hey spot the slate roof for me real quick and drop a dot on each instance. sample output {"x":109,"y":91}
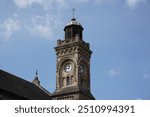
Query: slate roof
{"x":21,"y":87}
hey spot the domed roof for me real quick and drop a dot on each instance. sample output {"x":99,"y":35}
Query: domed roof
{"x":73,"y":22}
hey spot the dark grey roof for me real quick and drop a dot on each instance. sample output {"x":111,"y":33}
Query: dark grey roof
{"x":73,"y":22}
{"x":21,"y":87}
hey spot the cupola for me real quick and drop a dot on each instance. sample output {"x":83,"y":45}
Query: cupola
{"x":72,"y":29}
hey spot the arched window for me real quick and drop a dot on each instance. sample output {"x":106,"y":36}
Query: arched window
{"x":69,"y":81}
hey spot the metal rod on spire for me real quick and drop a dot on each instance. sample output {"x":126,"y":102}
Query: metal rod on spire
{"x":73,"y":11}
{"x":36,"y":72}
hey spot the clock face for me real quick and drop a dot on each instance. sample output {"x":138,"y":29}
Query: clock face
{"x":81,"y":69}
{"x":68,"y":67}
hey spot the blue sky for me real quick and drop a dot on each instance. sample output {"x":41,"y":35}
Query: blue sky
{"x":118,"y":32}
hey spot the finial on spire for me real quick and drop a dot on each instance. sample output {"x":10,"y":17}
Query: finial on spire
{"x":36,"y":73}
{"x":36,"y":80}
{"x":73,"y":12}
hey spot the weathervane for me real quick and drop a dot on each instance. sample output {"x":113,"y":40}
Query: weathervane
{"x":73,"y":11}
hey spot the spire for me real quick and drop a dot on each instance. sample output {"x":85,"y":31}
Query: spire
{"x":73,"y":12}
{"x":36,"y":73}
{"x":73,"y":21}
{"x":36,"y":80}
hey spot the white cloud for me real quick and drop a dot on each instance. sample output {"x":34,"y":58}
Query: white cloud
{"x":133,"y":3}
{"x":41,"y":30}
{"x":9,"y":27}
{"x":46,"y":4}
{"x":50,"y":4}
{"x":113,"y":72}
{"x":146,"y":75}
{"x":43,"y":26}
{"x":26,"y":3}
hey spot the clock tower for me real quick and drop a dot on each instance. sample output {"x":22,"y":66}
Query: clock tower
{"x":73,"y":65}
